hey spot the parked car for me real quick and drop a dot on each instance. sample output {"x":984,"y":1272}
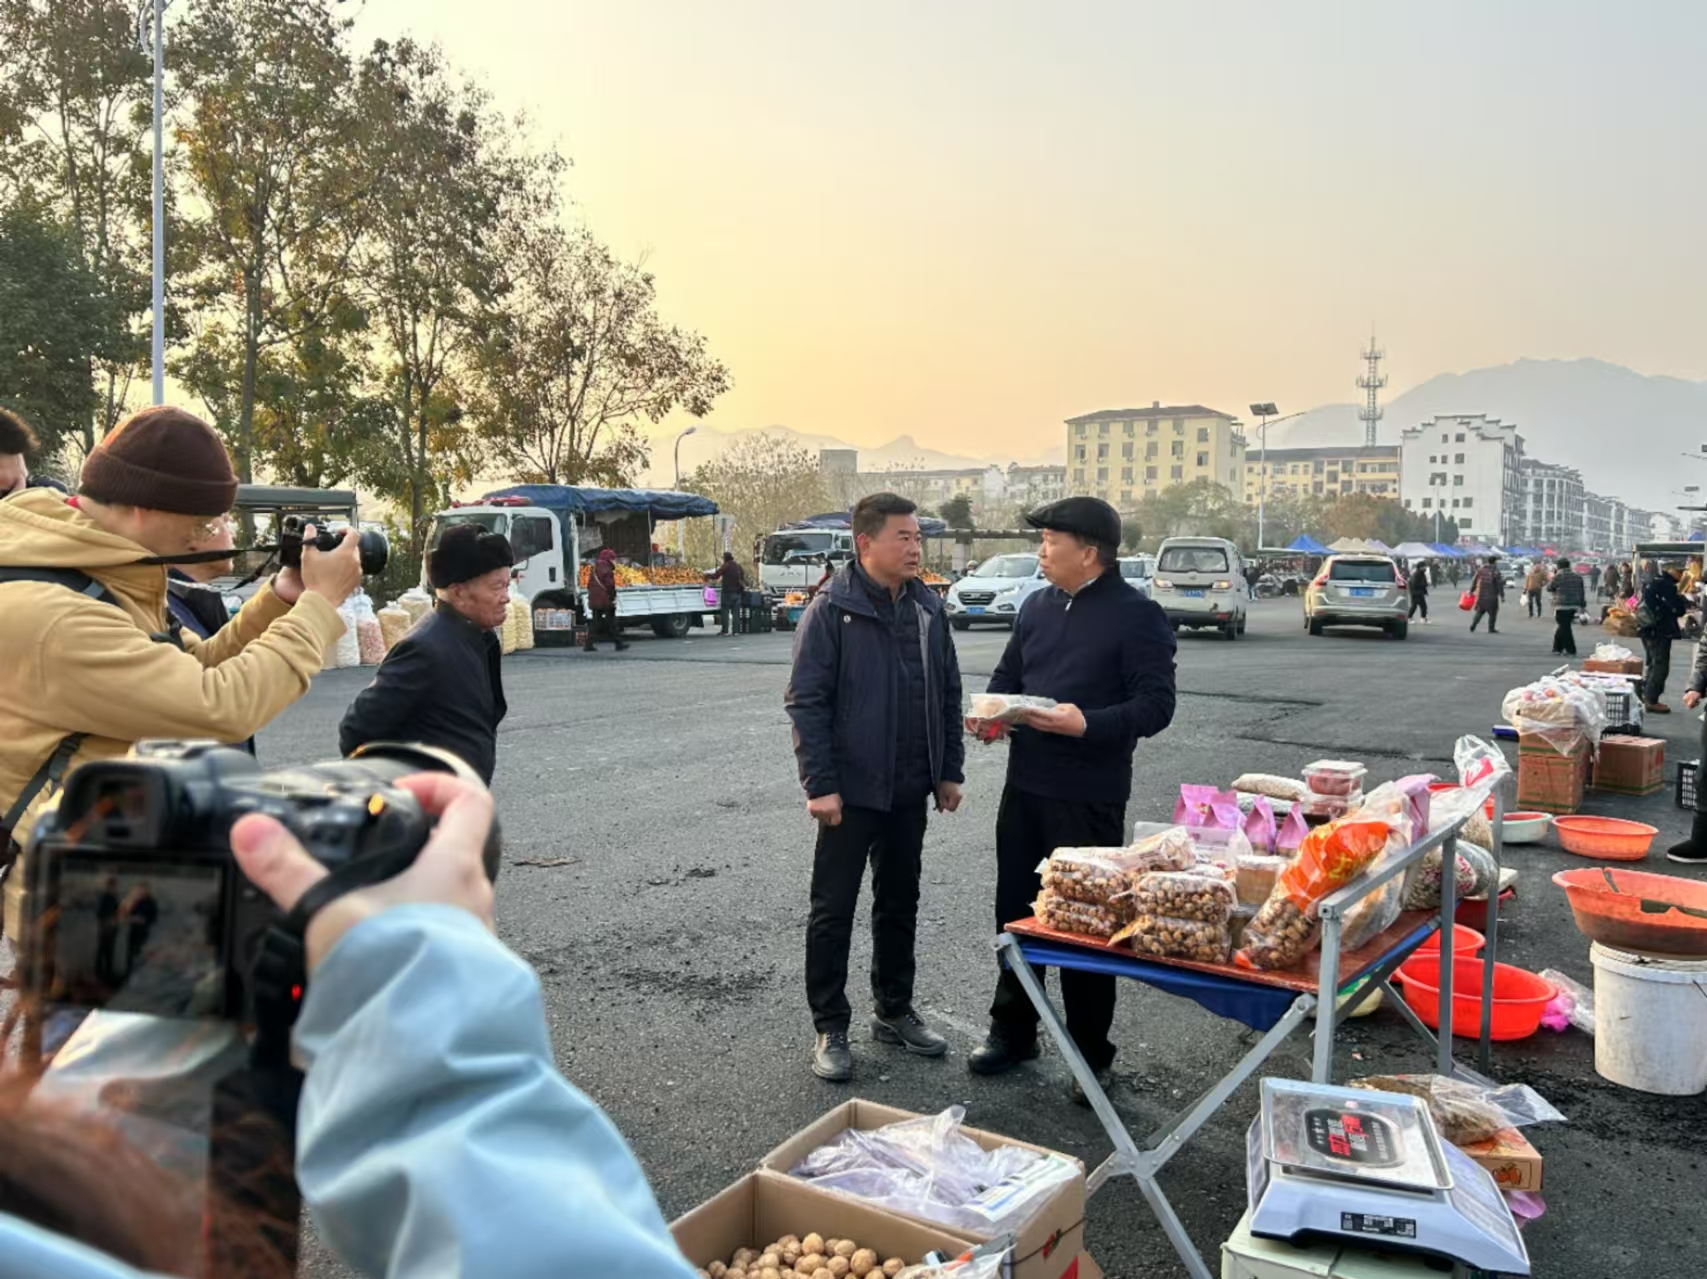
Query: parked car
{"x":1200,"y":582}
{"x":1358,"y":590}
{"x":1139,"y":571}
{"x":994,"y":590}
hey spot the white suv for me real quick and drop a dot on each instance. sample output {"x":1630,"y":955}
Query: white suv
{"x":994,"y":590}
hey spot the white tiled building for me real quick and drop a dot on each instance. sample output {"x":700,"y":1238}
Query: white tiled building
{"x":1553,"y":509}
{"x":1465,"y":468}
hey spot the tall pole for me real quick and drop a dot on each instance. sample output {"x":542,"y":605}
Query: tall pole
{"x":1262,"y":478}
{"x":681,"y":525}
{"x":159,"y":203}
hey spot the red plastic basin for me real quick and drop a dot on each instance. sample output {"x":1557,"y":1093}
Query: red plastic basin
{"x":1609,"y":907}
{"x":1520,"y":997}
{"x":1465,"y":941}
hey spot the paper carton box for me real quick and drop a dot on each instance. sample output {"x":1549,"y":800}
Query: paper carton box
{"x":1629,"y":666}
{"x":1514,"y":1163}
{"x":763,"y":1207}
{"x":1047,"y":1243}
{"x":1630,"y":765}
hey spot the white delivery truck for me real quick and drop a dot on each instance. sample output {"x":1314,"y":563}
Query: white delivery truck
{"x":555,"y":529}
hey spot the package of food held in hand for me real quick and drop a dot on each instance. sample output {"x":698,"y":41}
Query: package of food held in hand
{"x":1183,"y":895}
{"x":1006,"y":708}
{"x":1064,"y":916}
{"x":1170,"y":937}
{"x":1091,"y":875}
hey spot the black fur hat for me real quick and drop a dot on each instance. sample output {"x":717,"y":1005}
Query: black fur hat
{"x":465,"y":552}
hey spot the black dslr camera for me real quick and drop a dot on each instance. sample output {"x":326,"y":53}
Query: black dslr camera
{"x":375,"y":549}
{"x":137,"y":904}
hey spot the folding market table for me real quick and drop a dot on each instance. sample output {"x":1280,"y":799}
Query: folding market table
{"x":1276,"y":1003}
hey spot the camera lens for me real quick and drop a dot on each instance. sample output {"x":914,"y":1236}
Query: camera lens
{"x":375,"y":552}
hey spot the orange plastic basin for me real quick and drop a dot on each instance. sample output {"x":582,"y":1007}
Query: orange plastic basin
{"x":1520,"y":997}
{"x":1609,"y":838}
{"x":1608,"y":905}
{"x":1465,"y":941}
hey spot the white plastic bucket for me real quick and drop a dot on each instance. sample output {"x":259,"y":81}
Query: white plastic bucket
{"x":1650,"y":1018}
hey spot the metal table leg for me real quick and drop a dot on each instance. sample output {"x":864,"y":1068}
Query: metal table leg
{"x":1327,"y":1007}
{"x":1448,"y":958}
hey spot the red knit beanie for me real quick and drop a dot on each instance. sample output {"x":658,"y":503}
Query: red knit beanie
{"x":162,"y":459}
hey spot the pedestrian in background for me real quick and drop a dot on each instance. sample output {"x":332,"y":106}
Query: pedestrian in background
{"x":1569,"y":598}
{"x":731,"y":594}
{"x":1488,"y":587}
{"x":1105,"y":655}
{"x":601,"y":600}
{"x":1609,"y":582}
{"x":1533,"y":584}
{"x":18,"y":443}
{"x":1418,"y":586}
{"x":875,"y":702}
{"x":1626,"y":581}
{"x":1656,"y":624}
{"x":1693,"y":851}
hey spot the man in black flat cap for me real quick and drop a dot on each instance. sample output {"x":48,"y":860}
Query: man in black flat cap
{"x":441,"y":685}
{"x":1105,"y":654}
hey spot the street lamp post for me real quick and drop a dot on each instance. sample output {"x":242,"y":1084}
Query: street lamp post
{"x":155,"y":41}
{"x":1267,"y":412}
{"x":681,"y":525}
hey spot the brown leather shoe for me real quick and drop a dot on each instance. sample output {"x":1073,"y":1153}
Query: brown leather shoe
{"x":1659,"y":708}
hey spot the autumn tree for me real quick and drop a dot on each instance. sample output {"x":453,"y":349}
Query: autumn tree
{"x":427,"y":269}
{"x":76,"y":99}
{"x":761,"y":480}
{"x":1201,"y":507}
{"x":577,"y":357}
{"x":267,"y":133}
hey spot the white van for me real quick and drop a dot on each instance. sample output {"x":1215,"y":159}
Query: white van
{"x":1200,"y":582}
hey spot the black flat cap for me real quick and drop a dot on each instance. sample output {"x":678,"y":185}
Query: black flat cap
{"x":1086,"y":517}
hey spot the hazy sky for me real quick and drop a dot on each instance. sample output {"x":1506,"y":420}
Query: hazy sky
{"x":968,"y":221}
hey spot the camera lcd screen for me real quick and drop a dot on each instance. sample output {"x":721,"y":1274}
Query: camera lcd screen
{"x":139,"y":937}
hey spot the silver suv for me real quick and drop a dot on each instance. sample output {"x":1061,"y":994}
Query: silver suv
{"x":1358,"y":590}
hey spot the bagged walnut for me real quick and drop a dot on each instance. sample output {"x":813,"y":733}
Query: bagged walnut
{"x":1171,"y":849}
{"x":1254,"y":876}
{"x":1183,"y":895}
{"x":1171,"y":938}
{"x":1084,"y":874}
{"x":1279,"y":937}
{"x":1082,"y":918}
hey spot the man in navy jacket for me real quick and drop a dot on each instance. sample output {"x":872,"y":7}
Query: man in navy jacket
{"x":1105,"y":654}
{"x":875,"y":701}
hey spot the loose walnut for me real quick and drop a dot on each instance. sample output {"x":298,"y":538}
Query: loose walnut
{"x":862,"y":1263}
{"x":844,"y":1248}
{"x":823,"y":1272}
{"x":770,"y":1261}
{"x":813,"y":1245}
{"x":838,"y":1267}
{"x":717,"y":1270}
{"x":810,"y":1264}
{"x":893,"y":1267}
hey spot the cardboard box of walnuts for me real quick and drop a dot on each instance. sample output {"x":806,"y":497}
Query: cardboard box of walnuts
{"x":1047,"y":1244}
{"x":762,"y":1209}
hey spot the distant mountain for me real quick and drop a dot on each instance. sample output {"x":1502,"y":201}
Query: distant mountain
{"x":901,"y":453}
{"x":1622,"y":429}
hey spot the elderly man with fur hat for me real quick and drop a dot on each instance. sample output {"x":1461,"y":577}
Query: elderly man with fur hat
{"x":441,"y":685}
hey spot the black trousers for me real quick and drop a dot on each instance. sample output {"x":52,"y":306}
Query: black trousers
{"x":729,"y":612}
{"x":1534,"y":599}
{"x":892,"y":842}
{"x":1564,"y":639}
{"x":603,"y":623}
{"x":1029,"y":828}
{"x":1491,"y":613}
{"x":1656,"y":669}
{"x":1419,"y":603}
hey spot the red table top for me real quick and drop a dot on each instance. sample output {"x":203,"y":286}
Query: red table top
{"x":1305,"y":978}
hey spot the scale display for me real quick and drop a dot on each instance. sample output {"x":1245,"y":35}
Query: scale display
{"x":1369,"y":1167}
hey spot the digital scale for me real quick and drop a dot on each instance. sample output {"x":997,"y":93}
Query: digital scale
{"x":1369,"y":1166}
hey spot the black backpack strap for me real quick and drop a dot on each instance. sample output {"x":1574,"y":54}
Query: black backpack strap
{"x":71,"y":578}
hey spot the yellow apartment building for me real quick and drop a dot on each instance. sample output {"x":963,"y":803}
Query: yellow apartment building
{"x":1121,"y":455}
{"x":1326,"y":471}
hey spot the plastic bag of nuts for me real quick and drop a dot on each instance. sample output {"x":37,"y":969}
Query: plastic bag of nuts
{"x":1173,"y":938}
{"x":1280,"y":935}
{"x":1081,"y":918}
{"x":1170,"y":849}
{"x":1084,"y":874}
{"x":1183,"y":895}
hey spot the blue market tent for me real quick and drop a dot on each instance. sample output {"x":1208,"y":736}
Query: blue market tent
{"x":1307,"y":545}
{"x":1449,"y":552}
{"x":660,"y":504}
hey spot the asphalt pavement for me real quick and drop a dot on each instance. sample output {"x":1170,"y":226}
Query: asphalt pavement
{"x":671,"y":943}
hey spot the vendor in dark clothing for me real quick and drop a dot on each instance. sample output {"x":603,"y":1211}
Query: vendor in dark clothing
{"x":441,"y":686}
{"x":1656,"y":623}
{"x":731,"y":594}
{"x":1105,"y":654}
{"x":1419,"y":590}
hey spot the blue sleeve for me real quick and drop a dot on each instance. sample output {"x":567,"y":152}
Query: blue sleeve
{"x":1147,"y":672}
{"x":811,"y":697}
{"x":382,"y":710}
{"x":436,"y":1135}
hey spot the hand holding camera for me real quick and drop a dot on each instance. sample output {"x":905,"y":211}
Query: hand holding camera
{"x":449,"y":871}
